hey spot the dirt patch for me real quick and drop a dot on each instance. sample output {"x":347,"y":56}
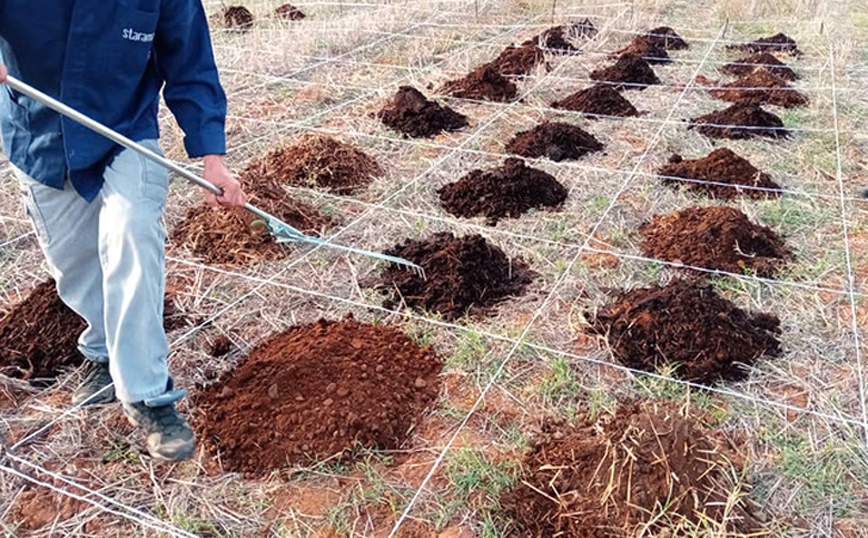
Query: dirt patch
{"x":508,"y":191}
{"x":37,"y":507}
{"x":747,"y":65}
{"x":599,"y":99}
{"x":289,"y":12}
{"x":720,"y":166}
{"x":516,"y":61}
{"x":227,"y":237}
{"x":612,"y":477}
{"x":410,"y":113}
{"x":715,"y":237}
{"x":318,"y":161}
{"x":775,"y":43}
{"x":649,"y":50}
{"x":238,"y":18}
{"x":740,"y":121}
{"x":761,"y":87}
{"x":315,"y":391}
{"x":666,"y":38}
{"x":221,"y":346}
{"x":630,"y":72}
{"x":686,"y":325}
{"x":463,"y":276}
{"x":485,"y":83}
{"x":554,"y":140}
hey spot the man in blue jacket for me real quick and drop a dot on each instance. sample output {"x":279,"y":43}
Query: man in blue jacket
{"x":97,"y":208}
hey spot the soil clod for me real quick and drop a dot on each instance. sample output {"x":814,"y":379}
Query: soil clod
{"x":556,"y":39}
{"x":554,"y":140}
{"x":508,"y":191}
{"x":289,"y":12}
{"x":630,"y":72}
{"x":463,"y":276}
{"x":740,"y":121}
{"x":748,"y":64}
{"x":649,"y":50}
{"x":485,"y":83}
{"x":761,"y":87}
{"x":666,"y":38}
{"x":317,"y":391}
{"x":598,"y":100}
{"x":221,"y":346}
{"x":776,"y":43}
{"x":410,"y":113}
{"x":687,"y":327}
{"x":238,"y":18}
{"x":517,"y":61}
{"x":713,"y":174}
{"x":716,"y":237}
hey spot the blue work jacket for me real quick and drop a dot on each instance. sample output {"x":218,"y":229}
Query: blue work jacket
{"x":108,"y":59}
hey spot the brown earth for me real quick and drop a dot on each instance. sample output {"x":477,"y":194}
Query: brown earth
{"x":238,"y":17}
{"x":720,"y":166}
{"x":516,"y":61}
{"x":508,"y":191}
{"x":554,"y":140}
{"x":230,"y":237}
{"x":630,"y":72}
{"x":649,"y":50}
{"x":289,"y":12}
{"x":666,"y":38}
{"x":704,"y":337}
{"x":485,"y":83}
{"x":556,"y":39}
{"x":410,"y":113}
{"x":740,"y":121}
{"x":761,"y":87}
{"x":747,"y":65}
{"x":315,"y":391}
{"x":39,"y":335}
{"x":599,"y":99}
{"x":775,"y":43}
{"x":611,"y":478}
{"x":221,"y":346}
{"x":318,"y":161}
{"x":715,"y":237}
{"x":463,"y":276}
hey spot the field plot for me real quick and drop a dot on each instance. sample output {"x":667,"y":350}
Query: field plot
{"x":644,"y":310}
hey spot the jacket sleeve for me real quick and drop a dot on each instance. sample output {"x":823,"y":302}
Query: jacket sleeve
{"x":185,"y":58}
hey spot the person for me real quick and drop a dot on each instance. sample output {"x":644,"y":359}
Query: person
{"x":97,"y":208}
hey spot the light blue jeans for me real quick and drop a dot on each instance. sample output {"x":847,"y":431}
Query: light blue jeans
{"x":108,"y":258}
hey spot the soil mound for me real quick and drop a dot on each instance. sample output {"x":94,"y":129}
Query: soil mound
{"x":716,"y":237}
{"x":412,"y":114}
{"x":238,"y":18}
{"x":556,"y":39}
{"x":775,"y":43}
{"x":666,"y":38}
{"x":599,"y":99}
{"x":630,"y":70}
{"x":761,"y":87}
{"x":613,"y":477}
{"x":508,"y":191}
{"x":554,"y":140}
{"x":317,"y":390}
{"x":747,"y":65}
{"x":720,"y":166}
{"x":516,"y":61}
{"x":289,"y":12}
{"x":485,"y":83}
{"x":318,"y":162}
{"x":231,"y":237}
{"x":649,"y":50}
{"x":463,"y":275}
{"x":739,"y":121}
{"x":687,"y":325}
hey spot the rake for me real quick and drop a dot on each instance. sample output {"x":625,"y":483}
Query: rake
{"x":282,"y":232}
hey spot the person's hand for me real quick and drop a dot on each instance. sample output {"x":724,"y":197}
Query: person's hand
{"x":217,"y":173}
{"x":3,"y":73}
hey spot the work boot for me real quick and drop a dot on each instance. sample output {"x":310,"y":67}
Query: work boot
{"x":169,"y":436}
{"x":97,"y":378}
{"x":864,"y":192}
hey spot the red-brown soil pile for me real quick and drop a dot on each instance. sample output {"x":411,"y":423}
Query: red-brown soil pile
{"x":238,"y":17}
{"x":318,"y":162}
{"x":739,"y":121}
{"x":649,"y":50}
{"x":463,"y":276}
{"x":516,"y":61}
{"x":317,"y":390}
{"x":39,"y":335}
{"x":775,"y":43}
{"x":410,"y":113}
{"x":231,"y":237}
{"x":599,"y":99}
{"x":612,"y":478}
{"x":630,"y":72}
{"x":761,"y":87}
{"x":554,"y":140}
{"x":688,"y":326}
{"x":483,"y":84}
{"x":289,"y":12}
{"x":666,"y":38}
{"x":508,"y":191}
{"x":716,"y":237}
{"x":747,"y":65}
{"x":712,"y":174}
